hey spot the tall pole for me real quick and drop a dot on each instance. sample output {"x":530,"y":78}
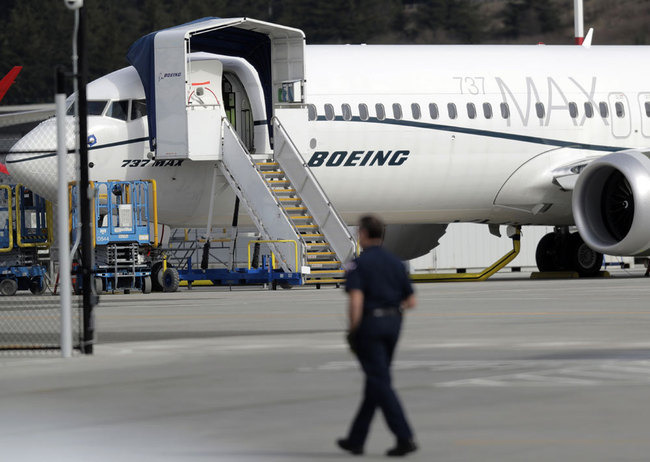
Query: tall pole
{"x":578,"y":19}
{"x":65,"y":283}
{"x":85,"y":194}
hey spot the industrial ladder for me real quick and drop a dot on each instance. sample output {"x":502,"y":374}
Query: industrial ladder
{"x":286,"y":203}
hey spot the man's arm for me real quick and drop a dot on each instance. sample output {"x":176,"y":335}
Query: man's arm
{"x":355,"y":309}
{"x":409,"y":303}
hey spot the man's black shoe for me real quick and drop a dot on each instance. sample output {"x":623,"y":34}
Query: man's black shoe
{"x":402,"y":448}
{"x":346,"y":445}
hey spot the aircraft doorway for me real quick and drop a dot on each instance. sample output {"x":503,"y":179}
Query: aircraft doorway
{"x":237,"y":108}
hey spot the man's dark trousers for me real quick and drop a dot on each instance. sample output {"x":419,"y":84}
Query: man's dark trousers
{"x":376,"y":341}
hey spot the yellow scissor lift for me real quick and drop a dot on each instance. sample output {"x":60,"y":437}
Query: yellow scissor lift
{"x":25,"y":228}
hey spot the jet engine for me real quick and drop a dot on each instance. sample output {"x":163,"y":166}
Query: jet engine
{"x":611,"y":203}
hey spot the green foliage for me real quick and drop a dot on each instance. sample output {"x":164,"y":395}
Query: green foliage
{"x":530,"y":17}
{"x":37,"y":34}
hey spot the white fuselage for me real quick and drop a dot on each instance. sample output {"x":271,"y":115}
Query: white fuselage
{"x":469,"y":133}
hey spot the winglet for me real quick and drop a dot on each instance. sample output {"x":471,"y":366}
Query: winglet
{"x":587,"y":41}
{"x":8,"y":79}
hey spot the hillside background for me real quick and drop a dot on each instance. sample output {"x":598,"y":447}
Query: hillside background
{"x":37,"y":34}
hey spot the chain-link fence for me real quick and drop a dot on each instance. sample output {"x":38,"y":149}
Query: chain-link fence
{"x":30,"y":323}
{"x":30,"y":315}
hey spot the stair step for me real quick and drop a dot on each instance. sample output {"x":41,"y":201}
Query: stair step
{"x":273,"y":182}
{"x":306,"y":226}
{"x":321,"y":263}
{"x":312,"y":235}
{"x":318,"y":272}
{"x":300,"y":217}
{"x":273,"y":173}
{"x":267,"y":163}
{"x":314,"y":254}
{"x":283,"y":190}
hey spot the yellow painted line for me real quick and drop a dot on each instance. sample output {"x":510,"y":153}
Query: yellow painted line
{"x":267,"y":164}
{"x":295,"y":209}
{"x":325,"y":281}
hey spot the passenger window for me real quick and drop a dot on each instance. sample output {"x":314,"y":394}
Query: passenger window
{"x":620,"y":109}
{"x":381,"y":113}
{"x":312,"y":114}
{"x":452,"y":111}
{"x":415,"y":110}
{"x":397,"y":111}
{"x":118,"y":110}
{"x":604,"y":109}
{"x":505,"y":110}
{"x":329,"y":112}
{"x":347,"y":111}
{"x":471,"y":110}
{"x":573,"y":110}
{"x":433,"y":110}
{"x":647,"y":108}
{"x":138,"y":108}
{"x":539,"y":108}
{"x":363,"y":111}
{"x":487,"y":110}
{"x":589,"y":110}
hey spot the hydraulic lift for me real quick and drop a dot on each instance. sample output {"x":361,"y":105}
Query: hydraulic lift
{"x":25,"y":229}
{"x":125,"y":232}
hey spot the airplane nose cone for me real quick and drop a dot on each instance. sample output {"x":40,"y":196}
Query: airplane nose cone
{"x":32,"y":160}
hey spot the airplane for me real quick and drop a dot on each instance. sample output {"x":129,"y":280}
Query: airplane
{"x":423,"y":135}
{"x":8,"y":80}
{"x":5,"y":83}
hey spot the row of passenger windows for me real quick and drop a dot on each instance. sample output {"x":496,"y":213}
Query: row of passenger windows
{"x":472,"y":110}
{"x":121,"y":110}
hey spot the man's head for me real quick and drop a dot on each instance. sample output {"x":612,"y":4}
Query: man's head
{"x":371,"y":231}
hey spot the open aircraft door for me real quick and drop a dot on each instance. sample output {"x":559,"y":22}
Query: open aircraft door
{"x":184,"y":96}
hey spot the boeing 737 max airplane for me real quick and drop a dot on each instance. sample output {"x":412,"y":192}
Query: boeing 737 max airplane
{"x":420,"y":135}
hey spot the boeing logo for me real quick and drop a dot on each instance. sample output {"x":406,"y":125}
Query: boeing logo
{"x":167,"y":75}
{"x":357,"y":158}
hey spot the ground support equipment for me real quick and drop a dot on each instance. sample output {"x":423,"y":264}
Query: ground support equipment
{"x":124,"y":233}
{"x":25,"y":229}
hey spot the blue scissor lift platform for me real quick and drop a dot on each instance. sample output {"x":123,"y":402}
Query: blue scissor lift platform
{"x":25,"y":227}
{"x":124,"y":232}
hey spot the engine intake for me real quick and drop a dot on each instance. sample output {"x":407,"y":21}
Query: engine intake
{"x":611,"y":204}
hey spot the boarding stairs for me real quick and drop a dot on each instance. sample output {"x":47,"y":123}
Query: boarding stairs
{"x":287,"y":204}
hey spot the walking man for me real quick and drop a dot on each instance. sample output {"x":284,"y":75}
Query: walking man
{"x":379,"y":290}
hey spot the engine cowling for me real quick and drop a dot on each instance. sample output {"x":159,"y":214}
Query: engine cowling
{"x":611,"y":204}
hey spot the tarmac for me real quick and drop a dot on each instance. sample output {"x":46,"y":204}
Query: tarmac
{"x":507,"y":370}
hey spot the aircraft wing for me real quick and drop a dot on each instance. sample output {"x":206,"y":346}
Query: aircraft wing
{"x":23,"y":117}
{"x":566,"y":176}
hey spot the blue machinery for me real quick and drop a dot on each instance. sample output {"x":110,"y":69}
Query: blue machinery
{"x":125,"y":229}
{"x":265,"y":273}
{"x":127,"y":252}
{"x":25,"y":227}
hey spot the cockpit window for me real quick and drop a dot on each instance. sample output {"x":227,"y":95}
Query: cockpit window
{"x":95,"y":108}
{"x":138,"y":109}
{"x":118,"y":110}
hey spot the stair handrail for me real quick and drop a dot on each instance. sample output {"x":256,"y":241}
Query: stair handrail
{"x":345,"y":251}
{"x":226,"y":126}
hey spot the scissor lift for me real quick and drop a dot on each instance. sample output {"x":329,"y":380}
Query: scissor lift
{"x":125,"y":230}
{"x":25,"y":228}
